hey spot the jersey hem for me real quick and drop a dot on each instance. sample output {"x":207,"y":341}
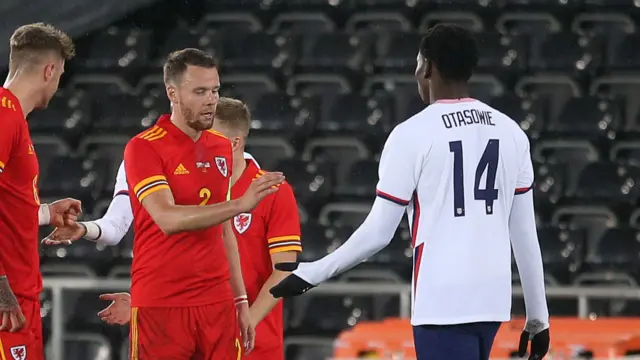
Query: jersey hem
{"x":180,"y":304}
{"x":460,"y":320}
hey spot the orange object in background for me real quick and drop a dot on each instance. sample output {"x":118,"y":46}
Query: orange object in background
{"x":603,"y":337}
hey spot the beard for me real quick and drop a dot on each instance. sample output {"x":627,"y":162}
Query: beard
{"x":193,"y":120}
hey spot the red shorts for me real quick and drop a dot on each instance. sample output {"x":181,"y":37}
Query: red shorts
{"x":270,"y":354}
{"x":27,"y":343}
{"x":185,"y":333}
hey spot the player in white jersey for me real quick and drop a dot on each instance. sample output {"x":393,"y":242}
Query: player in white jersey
{"x":463,"y":172}
{"x":113,"y":226}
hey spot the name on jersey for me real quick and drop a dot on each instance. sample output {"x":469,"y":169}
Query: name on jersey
{"x":467,"y":117}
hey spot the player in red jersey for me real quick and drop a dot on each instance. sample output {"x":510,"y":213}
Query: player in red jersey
{"x":267,"y":235}
{"x":182,"y":289}
{"x":38,"y":54}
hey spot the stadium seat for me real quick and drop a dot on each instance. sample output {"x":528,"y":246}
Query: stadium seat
{"x":556,"y":89}
{"x":589,"y":117}
{"x":501,"y":52}
{"x":360,"y":181}
{"x":624,"y":54}
{"x":81,"y":177}
{"x":562,"y":251}
{"x":605,"y":26}
{"x":277,"y":113}
{"x":302,"y":22}
{"x":395,"y":52}
{"x":332,"y":52}
{"x":118,"y":48}
{"x":307,"y":85}
{"x":356,"y":114}
{"x":528,"y":113}
{"x":257,"y":52}
{"x":565,"y":52}
{"x":617,"y":250}
{"x":341,"y":151}
{"x":465,"y":19}
{"x":315,"y":242}
{"x":594,"y":220}
{"x":378,"y":22}
{"x":231,"y":23}
{"x":183,"y":37}
{"x":248,"y":87}
{"x":344,"y":214}
{"x":577,"y":153}
{"x":312,"y":182}
{"x":68,"y":115}
{"x":621,"y":86}
{"x":606,"y":181}
{"x":269,"y":150}
{"x":550,"y":183}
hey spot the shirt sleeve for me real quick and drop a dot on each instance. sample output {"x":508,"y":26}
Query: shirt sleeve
{"x":115,"y":223}
{"x":283,"y":226}
{"x":144,"y":169}
{"x":121,"y":187}
{"x":373,"y":235}
{"x":400,"y":168}
{"x":9,"y":136}
{"x":525,"y":177}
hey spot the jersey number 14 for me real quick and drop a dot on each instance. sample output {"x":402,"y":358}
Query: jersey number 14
{"x":489,"y":163}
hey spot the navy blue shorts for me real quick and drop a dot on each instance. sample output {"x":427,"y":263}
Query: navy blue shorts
{"x":471,"y":341}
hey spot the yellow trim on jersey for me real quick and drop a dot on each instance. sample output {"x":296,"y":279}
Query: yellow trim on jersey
{"x":283,"y":238}
{"x":155,"y":133}
{"x":2,"y":355}
{"x":150,"y":185}
{"x":217,"y":133}
{"x":239,"y":347}
{"x":134,"y":333}
{"x":229,"y":192}
{"x":275,"y":250}
{"x":146,"y":181}
{"x":1,"y":165}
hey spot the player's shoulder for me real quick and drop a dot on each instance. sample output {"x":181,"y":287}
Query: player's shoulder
{"x":147,"y":140}
{"x":215,"y":137}
{"x":283,"y":185}
{"x":8,"y":108}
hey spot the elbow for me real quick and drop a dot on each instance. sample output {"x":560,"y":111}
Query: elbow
{"x":168,"y":225}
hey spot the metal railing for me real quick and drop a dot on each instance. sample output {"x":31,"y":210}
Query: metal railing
{"x":58,"y":285}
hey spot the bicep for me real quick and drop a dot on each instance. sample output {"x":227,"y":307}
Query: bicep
{"x":158,"y":202}
{"x":399,"y":169}
{"x":284,"y":257}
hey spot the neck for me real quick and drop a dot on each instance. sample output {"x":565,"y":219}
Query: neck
{"x":179,"y":122}
{"x":20,"y":85}
{"x":449,"y":91}
{"x":239,"y":165}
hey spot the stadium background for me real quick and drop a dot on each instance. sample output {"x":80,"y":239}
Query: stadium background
{"x":326,"y":81}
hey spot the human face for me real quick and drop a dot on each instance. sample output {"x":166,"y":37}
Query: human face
{"x":52,"y":72}
{"x":236,"y":137}
{"x":196,"y":96}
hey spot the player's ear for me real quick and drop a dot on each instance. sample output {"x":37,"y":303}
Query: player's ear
{"x":49,"y":71}
{"x":428,"y":70}
{"x":236,"y":142}
{"x":172,"y":94}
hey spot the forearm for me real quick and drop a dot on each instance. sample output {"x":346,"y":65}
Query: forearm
{"x":43,"y":215}
{"x":265,"y":302}
{"x":233,"y":256}
{"x":178,"y":218}
{"x":526,"y":250}
{"x":114,"y":225}
{"x":374,"y":234}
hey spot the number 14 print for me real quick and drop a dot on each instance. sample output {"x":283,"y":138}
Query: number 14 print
{"x":488,"y":162}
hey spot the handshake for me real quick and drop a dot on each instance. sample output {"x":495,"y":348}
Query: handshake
{"x":63,"y":214}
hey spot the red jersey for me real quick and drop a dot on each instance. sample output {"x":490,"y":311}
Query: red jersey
{"x":19,"y":202}
{"x":188,"y":268}
{"x":273,"y":226}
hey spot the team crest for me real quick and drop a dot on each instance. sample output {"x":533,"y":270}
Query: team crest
{"x":19,"y":352}
{"x":242,"y":222}
{"x":221,"y":164}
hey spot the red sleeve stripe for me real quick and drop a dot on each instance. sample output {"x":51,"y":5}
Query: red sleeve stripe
{"x":284,"y":243}
{"x":520,"y":191}
{"x":392,"y":198}
{"x":122,"y":192}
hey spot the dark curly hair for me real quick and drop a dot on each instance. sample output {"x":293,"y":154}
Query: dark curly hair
{"x":452,"y":49}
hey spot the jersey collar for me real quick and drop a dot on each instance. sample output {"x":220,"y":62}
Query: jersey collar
{"x":14,"y":100}
{"x":164,"y":121}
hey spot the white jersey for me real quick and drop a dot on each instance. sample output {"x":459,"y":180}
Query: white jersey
{"x":457,"y":165}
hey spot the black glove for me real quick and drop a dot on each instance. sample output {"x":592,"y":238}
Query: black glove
{"x":290,"y":286}
{"x":539,"y":344}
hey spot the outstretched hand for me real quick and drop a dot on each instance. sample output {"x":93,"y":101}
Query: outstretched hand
{"x":292,"y":285}
{"x":119,"y":311}
{"x":65,"y":235}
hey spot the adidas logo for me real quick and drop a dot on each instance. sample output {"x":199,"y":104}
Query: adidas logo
{"x":180,"y":170}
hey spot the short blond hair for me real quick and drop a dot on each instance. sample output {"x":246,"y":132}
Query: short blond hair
{"x":30,"y":41}
{"x":234,"y":114}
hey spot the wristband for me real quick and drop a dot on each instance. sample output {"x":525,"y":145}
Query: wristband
{"x":44,"y":216}
{"x":93,"y":231}
{"x":242,"y":299}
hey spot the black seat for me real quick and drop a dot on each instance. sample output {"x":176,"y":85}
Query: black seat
{"x":589,"y":117}
{"x":563,"y":251}
{"x":565,"y":52}
{"x":68,"y":115}
{"x":528,"y":113}
{"x":624,"y":55}
{"x":360,"y":180}
{"x":81,"y":178}
{"x":395,"y":52}
{"x":332,"y":52}
{"x":312,"y":182}
{"x":606,"y":181}
{"x":618,"y":249}
{"x":279,"y":113}
{"x":118,"y":49}
{"x":356,"y":114}
{"x":256,"y":52}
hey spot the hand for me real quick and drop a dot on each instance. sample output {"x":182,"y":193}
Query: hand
{"x":10,"y":313}
{"x":119,"y":311}
{"x":64,"y":212}
{"x":292,"y":285}
{"x":259,"y":188}
{"x":247,"y":327}
{"x":65,"y":235}
{"x":536,"y":332}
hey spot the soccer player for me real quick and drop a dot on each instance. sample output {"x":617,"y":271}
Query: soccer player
{"x":463,"y":171}
{"x":268,"y":235}
{"x":38,"y":55}
{"x":182,"y":287}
